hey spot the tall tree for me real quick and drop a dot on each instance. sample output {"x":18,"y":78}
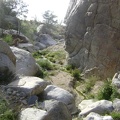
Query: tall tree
{"x":10,"y":11}
{"x":49,"y":18}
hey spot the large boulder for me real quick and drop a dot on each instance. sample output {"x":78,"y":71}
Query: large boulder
{"x":7,"y":69}
{"x":5,"y":49}
{"x":31,"y":114}
{"x":40,"y":46}
{"x":56,"y":93}
{"x":100,"y":107}
{"x":25,"y":63}
{"x":95,"y":116}
{"x":26,"y":46}
{"x":116,"y":105}
{"x":29,"y":85}
{"x":46,"y":40}
{"x":93,"y":35}
{"x":7,"y":63}
{"x":55,"y":110}
{"x":85,"y":103}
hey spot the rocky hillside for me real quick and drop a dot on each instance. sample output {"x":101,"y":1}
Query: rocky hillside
{"x":93,"y":36}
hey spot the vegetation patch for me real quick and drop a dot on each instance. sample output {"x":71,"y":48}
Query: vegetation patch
{"x":45,"y":64}
{"x":108,"y":91}
{"x":115,"y":115}
{"x":8,"y":39}
{"x":5,"y":112}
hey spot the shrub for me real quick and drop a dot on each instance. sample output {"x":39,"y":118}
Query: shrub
{"x":8,"y":39}
{"x":70,"y":67}
{"x":115,"y":115}
{"x":40,"y":54}
{"x":56,"y":56}
{"x":45,"y":64}
{"x":76,"y":74}
{"x":108,"y":92}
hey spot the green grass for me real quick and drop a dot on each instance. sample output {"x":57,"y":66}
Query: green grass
{"x":40,"y":54}
{"x":5,"y":112}
{"x":89,"y":84}
{"x":8,"y":39}
{"x":115,"y":115}
{"x":45,"y":64}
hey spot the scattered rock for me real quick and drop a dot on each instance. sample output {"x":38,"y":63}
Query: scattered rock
{"x":32,"y":100}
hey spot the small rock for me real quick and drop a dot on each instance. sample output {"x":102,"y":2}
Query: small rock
{"x":32,"y":100}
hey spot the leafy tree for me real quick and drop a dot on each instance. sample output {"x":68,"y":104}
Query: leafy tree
{"x":10,"y":11}
{"x":15,"y":8}
{"x":49,"y":18}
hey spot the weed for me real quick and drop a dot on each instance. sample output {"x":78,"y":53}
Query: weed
{"x":5,"y":112}
{"x":115,"y":115}
{"x":90,"y":83}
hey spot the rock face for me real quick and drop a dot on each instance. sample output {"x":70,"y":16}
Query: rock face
{"x":25,"y":63}
{"x":93,"y":35}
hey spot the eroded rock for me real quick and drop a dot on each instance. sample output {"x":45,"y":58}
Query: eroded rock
{"x":93,"y":35}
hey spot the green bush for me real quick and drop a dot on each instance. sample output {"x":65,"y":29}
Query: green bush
{"x":115,"y":115}
{"x":45,"y":64}
{"x":76,"y":74}
{"x":40,"y":54}
{"x":70,"y":68}
{"x":8,"y":39}
{"x":108,"y":92}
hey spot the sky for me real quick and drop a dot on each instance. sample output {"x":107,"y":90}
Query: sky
{"x":36,"y":8}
